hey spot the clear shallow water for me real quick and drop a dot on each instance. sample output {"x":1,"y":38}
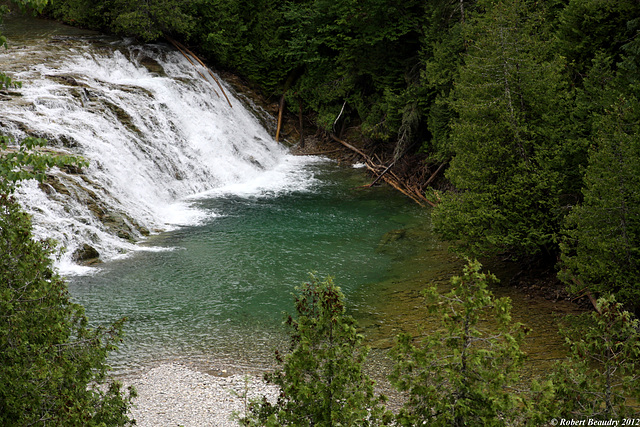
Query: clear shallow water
{"x":221,"y":290}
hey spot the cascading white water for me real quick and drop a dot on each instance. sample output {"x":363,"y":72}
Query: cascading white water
{"x":155,"y":134}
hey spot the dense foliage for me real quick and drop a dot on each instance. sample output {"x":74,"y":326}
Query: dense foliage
{"x":321,"y":378}
{"x":535,"y":107}
{"x":600,"y":380}
{"x":602,"y":245}
{"x":53,"y":367}
{"x":510,"y":137}
{"x":514,"y":95}
{"x":466,"y":370}
{"x":461,"y":374}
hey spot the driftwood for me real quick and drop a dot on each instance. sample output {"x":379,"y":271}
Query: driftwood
{"x":184,"y":50}
{"x":351,"y":147}
{"x":290,"y":80}
{"x":388,"y":176}
{"x":320,"y":153}
{"x":194,"y":66}
{"x":388,"y":168}
{"x":382,"y":174}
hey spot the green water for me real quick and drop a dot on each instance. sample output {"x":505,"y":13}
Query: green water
{"x":220,"y":293}
{"x":217,"y":297}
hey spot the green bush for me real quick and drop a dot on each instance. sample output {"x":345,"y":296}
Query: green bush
{"x":460,"y":375}
{"x":600,"y":379}
{"x":321,"y":378}
{"x":52,"y":365}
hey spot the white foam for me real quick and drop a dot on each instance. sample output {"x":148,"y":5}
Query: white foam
{"x":290,"y":175}
{"x":154,"y":143}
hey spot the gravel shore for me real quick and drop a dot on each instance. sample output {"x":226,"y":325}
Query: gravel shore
{"x":173,"y":395}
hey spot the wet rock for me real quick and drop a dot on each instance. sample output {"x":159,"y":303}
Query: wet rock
{"x":67,"y":141}
{"x":53,"y":184}
{"x":393,"y":236}
{"x":387,"y":243}
{"x":117,"y":224}
{"x":126,"y":235}
{"x":47,"y":188}
{"x":152,"y":65}
{"x":72,"y":169}
{"x":86,"y":254}
{"x":66,"y":80}
{"x":122,"y":116}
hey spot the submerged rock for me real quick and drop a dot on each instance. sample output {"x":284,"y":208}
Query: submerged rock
{"x":393,"y":236}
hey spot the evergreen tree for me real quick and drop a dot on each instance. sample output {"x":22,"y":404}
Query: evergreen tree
{"x":588,"y":28}
{"x":148,"y":20}
{"x":360,"y":56}
{"x":52,"y":365}
{"x":460,"y":375}
{"x":508,"y":141}
{"x":321,"y":379}
{"x":601,"y":251}
{"x":246,"y":37}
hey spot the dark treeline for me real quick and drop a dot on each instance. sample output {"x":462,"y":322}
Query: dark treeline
{"x":532,"y":105}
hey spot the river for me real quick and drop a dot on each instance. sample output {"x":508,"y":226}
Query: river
{"x":204,"y":224}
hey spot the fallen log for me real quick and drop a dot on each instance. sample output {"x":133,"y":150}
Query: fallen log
{"x":194,"y":66}
{"x":301,"y":142}
{"x":350,"y":147}
{"x":290,"y":80}
{"x":389,"y":177}
{"x":382,"y":174}
{"x":321,"y":153}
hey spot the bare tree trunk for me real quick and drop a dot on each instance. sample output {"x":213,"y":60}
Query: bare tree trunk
{"x":280,"y":109}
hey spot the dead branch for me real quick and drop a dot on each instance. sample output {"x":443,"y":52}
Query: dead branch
{"x":587,"y":292}
{"x":433,"y":176}
{"x":388,"y":176}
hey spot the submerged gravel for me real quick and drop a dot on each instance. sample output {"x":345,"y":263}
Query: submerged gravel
{"x":172,"y":395}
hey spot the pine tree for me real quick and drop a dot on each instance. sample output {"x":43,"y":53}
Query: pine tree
{"x":508,"y":142}
{"x":460,"y":375}
{"x":601,"y":252}
{"x":53,"y":367}
{"x":321,"y":378}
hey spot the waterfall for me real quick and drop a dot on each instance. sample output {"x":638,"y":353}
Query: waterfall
{"x":156,"y":135}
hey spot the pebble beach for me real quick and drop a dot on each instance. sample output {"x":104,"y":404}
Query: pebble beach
{"x":172,"y":395}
